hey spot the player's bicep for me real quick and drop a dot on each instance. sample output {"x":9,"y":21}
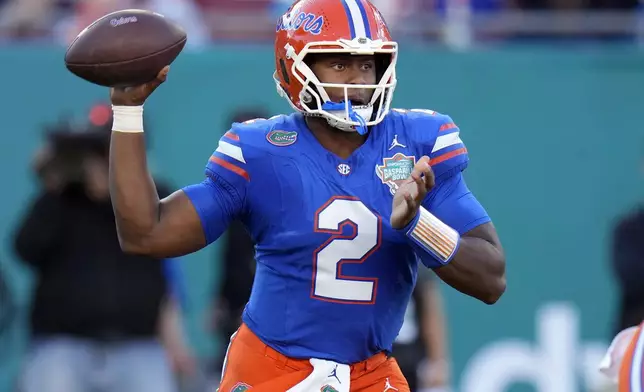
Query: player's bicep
{"x":191,"y":218}
{"x":215,"y":204}
{"x":176,"y":233}
{"x":198,"y":214}
{"x":452,"y":202}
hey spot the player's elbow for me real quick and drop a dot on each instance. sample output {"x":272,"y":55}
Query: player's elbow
{"x":495,"y":289}
{"x":133,"y":245}
{"x":135,"y":239}
{"x":495,"y":281}
{"x":150,"y":245}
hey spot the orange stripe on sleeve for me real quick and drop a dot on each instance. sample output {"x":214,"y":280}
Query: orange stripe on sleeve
{"x":447,"y":126}
{"x":235,"y":169}
{"x":231,"y":135}
{"x":447,"y":155}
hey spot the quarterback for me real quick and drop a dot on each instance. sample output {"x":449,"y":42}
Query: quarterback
{"x":345,"y":198}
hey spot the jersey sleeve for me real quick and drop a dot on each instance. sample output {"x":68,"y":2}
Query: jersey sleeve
{"x":438,"y":137}
{"x":221,"y":197}
{"x":451,"y":201}
{"x":455,"y":205}
{"x":447,"y":154}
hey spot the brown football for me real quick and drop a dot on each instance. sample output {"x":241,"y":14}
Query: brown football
{"x":125,"y":48}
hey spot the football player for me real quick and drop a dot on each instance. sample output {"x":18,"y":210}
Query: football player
{"x":624,"y":360}
{"x":344,"y":198}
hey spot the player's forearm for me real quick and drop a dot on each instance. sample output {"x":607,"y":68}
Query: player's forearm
{"x":477,"y":269}
{"x":473,"y":264}
{"x":134,"y":196}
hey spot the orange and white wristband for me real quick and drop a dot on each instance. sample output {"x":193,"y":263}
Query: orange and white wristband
{"x":127,"y":119}
{"x":434,"y":236}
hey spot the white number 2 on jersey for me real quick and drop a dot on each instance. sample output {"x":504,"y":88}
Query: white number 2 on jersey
{"x":329,"y":283}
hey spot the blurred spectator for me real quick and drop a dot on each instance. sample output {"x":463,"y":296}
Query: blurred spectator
{"x":25,"y":18}
{"x":279,"y":7}
{"x":81,"y":14}
{"x":395,"y":10}
{"x":420,"y":347}
{"x":628,"y":268}
{"x":185,"y":12}
{"x":101,"y":320}
{"x":452,"y":21}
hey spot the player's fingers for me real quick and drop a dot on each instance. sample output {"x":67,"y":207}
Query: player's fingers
{"x":163,"y":74}
{"x":416,"y":172}
{"x":161,"y":77}
{"x":418,"y":169}
{"x":417,"y":177}
{"x":409,"y":199}
{"x":417,"y":187}
{"x":430,"y":179}
{"x":418,"y":192}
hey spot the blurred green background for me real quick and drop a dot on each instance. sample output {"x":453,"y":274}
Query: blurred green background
{"x":555,"y":141}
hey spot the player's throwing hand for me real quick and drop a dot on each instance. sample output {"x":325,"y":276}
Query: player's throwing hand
{"x":411,"y":193}
{"x":136,"y":96}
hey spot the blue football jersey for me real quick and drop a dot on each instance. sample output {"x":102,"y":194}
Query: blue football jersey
{"x":333,"y":278}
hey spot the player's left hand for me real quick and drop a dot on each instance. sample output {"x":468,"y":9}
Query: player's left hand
{"x":411,"y":193}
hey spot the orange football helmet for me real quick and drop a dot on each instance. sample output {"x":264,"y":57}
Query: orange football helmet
{"x":334,"y":26}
